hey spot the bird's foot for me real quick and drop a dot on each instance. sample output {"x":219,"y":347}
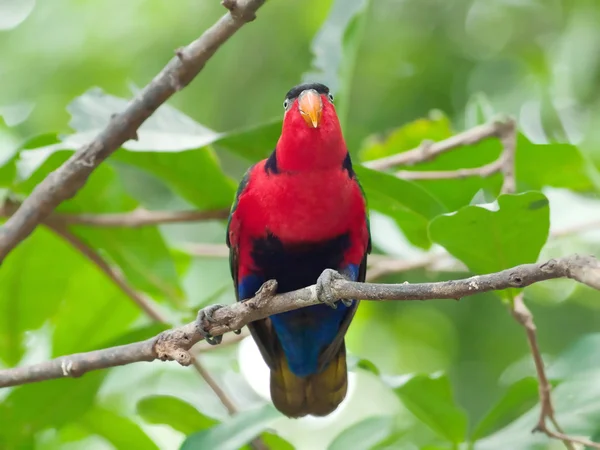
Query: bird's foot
{"x":206,"y":314}
{"x":324,"y":286}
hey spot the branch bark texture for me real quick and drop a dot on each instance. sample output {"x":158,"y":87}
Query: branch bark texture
{"x":64,"y":182}
{"x":175,"y":344}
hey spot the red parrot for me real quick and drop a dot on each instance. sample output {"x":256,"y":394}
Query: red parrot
{"x":300,"y":217}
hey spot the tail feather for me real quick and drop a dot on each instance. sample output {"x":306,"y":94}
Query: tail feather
{"x":319,"y":394}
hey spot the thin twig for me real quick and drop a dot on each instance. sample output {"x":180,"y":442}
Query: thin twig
{"x":430,"y":150}
{"x":507,"y":133}
{"x":523,"y":316}
{"x":175,"y":344}
{"x":65,"y":181}
{"x":484,"y":171}
{"x":147,"y":306}
{"x":131,"y":219}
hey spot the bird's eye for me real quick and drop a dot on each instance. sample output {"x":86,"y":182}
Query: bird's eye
{"x":330,"y":96}
{"x":286,"y":103}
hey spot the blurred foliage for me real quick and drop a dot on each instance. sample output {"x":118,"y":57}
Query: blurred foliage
{"x":427,"y":375}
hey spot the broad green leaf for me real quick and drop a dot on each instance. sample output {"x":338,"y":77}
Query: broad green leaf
{"x":121,"y":432}
{"x":408,"y":204}
{"x":234,"y":432}
{"x":275,"y":442}
{"x":172,"y":411}
{"x":518,"y":399}
{"x":94,"y":311}
{"x":429,"y":398}
{"x":364,"y":434}
{"x":166,"y":130}
{"x":140,"y":253}
{"x":436,"y":127}
{"x":195,"y":175}
{"x":555,"y":165}
{"x":50,"y":404}
{"x":577,"y":408}
{"x":252,"y":143}
{"x":453,"y":193}
{"x":33,"y":282}
{"x":490,"y":241}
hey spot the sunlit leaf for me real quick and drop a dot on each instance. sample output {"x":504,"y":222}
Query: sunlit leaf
{"x":436,"y":127}
{"x":555,"y":165}
{"x":364,"y":434}
{"x":234,"y":432}
{"x":140,"y":253}
{"x":275,"y":442}
{"x":32,"y":287}
{"x":172,"y":411}
{"x":493,"y":240}
{"x":430,"y":399}
{"x":121,"y":432}
{"x":408,"y":204}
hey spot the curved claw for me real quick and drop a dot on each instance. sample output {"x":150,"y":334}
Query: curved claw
{"x":324,"y":287}
{"x":207,"y":314}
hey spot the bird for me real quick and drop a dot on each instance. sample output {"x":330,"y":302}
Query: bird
{"x":300,"y":218}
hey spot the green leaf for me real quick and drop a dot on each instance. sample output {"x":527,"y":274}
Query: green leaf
{"x":555,"y":165}
{"x":490,"y":241}
{"x":453,"y":194}
{"x":33,"y":282}
{"x":364,"y":434}
{"x":172,"y":411}
{"x":408,"y":204}
{"x":518,"y":399}
{"x":51,"y":404}
{"x":166,"y":130}
{"x":141,"y":253}
{"x":275,"y":442}
{"x":234,"y":432}
{"x":94,"y":311}
{"x":121,"y":432}
{"x":436,"y":127}
{"x":429,"y":398}
{"x":252,"y":143}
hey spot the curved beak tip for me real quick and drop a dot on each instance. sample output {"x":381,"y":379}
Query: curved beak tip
{"x":311,"y":107}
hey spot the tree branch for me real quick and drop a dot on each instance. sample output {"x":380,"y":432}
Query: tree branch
{"x":175,"y":344}
{"x":64,"y":182}
{"x":523,"y":316}
{"x":429,"y":150}
{"x":148,"y":307}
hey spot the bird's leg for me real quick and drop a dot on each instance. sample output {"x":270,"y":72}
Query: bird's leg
{"x":207,"y":314}
{"x":325,"y":289}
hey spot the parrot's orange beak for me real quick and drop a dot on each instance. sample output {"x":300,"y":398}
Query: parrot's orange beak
{"x":311,"y":107}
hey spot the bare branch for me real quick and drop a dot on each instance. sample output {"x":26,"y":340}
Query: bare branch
{"x":484,"y":171}
{"x":138,"y":218}
{"x":430,"y":150}
{"x":64,"y":182}
{"x":175,"y":344}
{"x":145,"y":304}
{"x":507,"y":133}
{"x":149,"y":308}
{"x":523,"y":316}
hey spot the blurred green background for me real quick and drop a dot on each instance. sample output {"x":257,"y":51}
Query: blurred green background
{"x":453,"y":64}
